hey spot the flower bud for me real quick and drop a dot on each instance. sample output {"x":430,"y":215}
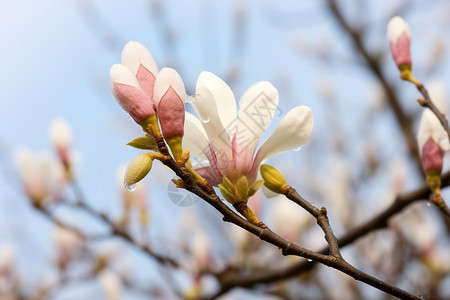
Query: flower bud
{"x":169,"y":97}
{"x":273,"y":179}
{"x":141,"y":63}
{"x":129,"y":94}
{"x":137,"y":169}
{"x":399,"y":36}
{"x":432,"y":156}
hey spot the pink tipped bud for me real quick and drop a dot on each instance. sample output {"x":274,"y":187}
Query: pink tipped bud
{"x":129,"y":94}
{"x":399,"y":36}
{"x":169,"y":97}
{"x":432,"y":157}
{"x":141,"y":63}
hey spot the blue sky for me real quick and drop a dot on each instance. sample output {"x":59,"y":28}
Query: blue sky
{"x":55,"y":58}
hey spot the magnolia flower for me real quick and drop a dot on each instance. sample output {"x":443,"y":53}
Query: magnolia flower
{"x":40,"y":174}
{"x":432,"y":139}
{"x":399,"y":36}
{"x":169,"y":97}
{"x":225,"y":140}
{"x":132,"y":83}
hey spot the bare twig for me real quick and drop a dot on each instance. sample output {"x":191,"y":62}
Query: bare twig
{"x":403,"y":119}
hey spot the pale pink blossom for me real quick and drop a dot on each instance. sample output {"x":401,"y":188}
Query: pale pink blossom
{"x":111,"y":284}
{"x":41,"y":175}
{"x":132,"y":82}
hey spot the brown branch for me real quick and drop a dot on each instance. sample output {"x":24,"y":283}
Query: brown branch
{"x":403,"y":119}
{"x":264,"y":233}
{"x":122,"y":233}
{"x":229,"y":280}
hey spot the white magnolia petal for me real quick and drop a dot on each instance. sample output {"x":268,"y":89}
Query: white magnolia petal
{"x":194,"y":137}
{"x":223,"y":96}
{"x":430,"y":126}
{"x":121,"y":74}
{"x":135,"y":54}
{"x":166,"y":78}
{"x":436,"y":90}
{"x":217,"y":135}
{"x":396,"y":27}
{"x":291,"y":133}
{"x":257,"y":107}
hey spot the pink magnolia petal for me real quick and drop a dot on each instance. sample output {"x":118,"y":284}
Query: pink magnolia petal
{"x":134,"y":101}
{"x":210,"y":176}
{"x":171,"y":114}
{"x":146,"y":80}
{"x":401,"y":50}
{"x":432,"y":158}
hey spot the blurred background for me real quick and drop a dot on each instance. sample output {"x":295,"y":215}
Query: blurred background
{"x":55,"y":58}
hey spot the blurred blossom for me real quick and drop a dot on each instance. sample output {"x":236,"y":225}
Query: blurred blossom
{"x":7,"y":255}
{"x":200,"y":249}
{"x":324,"y":46}
{"x":444,"y":12}
{"x":111,"y":284}
{"x":67,"y":241}
{"x":437,"y":92}
{"x":61,"y":138}
{"x":376,"y":96}
{"x":300,"y":44}
{"x":399,"y":172}
{"x":325,"y":87}
{"x":289,"y":219}
{"x":417,"y":227}
{"x":136,"y":198}
{"x":338,"y":187}
{"x":41,"y":175}
{"x":438,"y":260}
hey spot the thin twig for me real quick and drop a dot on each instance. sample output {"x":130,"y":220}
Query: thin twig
{"x":427,"y":102}
{"x":373,"y":64}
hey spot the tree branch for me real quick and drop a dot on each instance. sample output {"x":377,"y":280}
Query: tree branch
{"x":403,"y":119}
{"x":230,"y":280}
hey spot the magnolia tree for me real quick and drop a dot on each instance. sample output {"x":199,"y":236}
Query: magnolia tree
{"x":281,"y":243}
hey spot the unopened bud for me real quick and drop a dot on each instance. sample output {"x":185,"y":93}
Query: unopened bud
{"x":137,"y":169}
{"x":273,"y":179}
{"x":169,"y":97}
{"x":399,"y":35}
